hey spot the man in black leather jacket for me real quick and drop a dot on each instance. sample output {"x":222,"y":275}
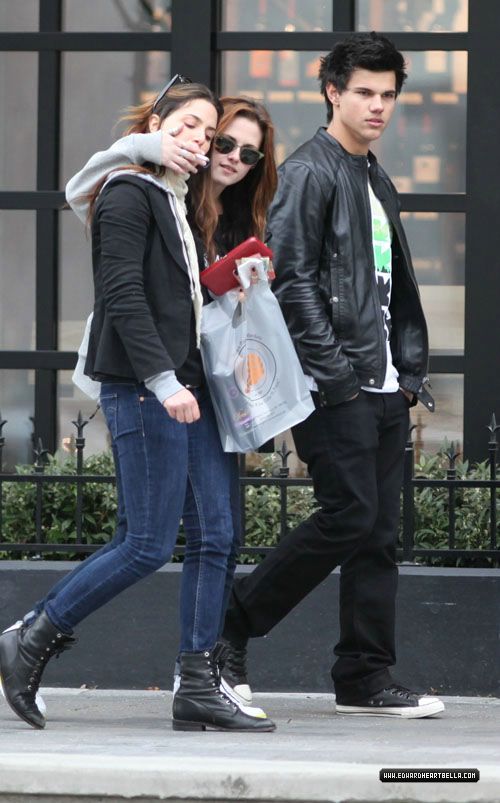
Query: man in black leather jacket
{"x":347,"y":289}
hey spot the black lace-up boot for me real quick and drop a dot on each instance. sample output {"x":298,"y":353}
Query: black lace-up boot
{"x":200,"y":704}
{"x":24,"y":654}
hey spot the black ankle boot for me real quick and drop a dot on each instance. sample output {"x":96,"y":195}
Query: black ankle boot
{"x":200,"y":703}
{"x":24,"y":654}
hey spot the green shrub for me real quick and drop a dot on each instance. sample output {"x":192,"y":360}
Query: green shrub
{"x":262,"y":509}
{"x":472,"y":511}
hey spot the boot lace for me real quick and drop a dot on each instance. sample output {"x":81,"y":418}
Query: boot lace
{"x":215,"y":673}
{"x":59,"y":644}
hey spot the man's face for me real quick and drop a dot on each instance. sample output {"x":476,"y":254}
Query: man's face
{"x":362,"y":111}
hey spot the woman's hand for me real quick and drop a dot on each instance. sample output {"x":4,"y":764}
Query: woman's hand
{"x":178,"y":156}
{"x":183,"y":407}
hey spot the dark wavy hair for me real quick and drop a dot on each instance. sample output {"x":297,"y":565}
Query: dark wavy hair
{"x":363,"y":51}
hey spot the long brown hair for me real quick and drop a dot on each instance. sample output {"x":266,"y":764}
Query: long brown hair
{"x":139,"y":116}
{"x":244,"y":204}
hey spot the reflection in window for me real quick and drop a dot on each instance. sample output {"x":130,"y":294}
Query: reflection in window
{"x":277,"y":15}
{"x":130,"y":78}
{"x":437,"y":244}
{"x":412,"y":15}
{"x":18,"y":102}
{"x":17,"y":280}
{"x":71,"y":401}
{"x":17,"y":407}
{"x":447,"y":421}
{"x":423,"y":148}
{"x":117,"y":15}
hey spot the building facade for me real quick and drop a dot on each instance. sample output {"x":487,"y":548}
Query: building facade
{"x":67,"y":70}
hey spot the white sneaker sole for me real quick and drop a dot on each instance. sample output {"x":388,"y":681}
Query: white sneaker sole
{"x":428,"y":707}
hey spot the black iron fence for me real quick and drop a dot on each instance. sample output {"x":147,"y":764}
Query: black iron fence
{"x":466,"y":500}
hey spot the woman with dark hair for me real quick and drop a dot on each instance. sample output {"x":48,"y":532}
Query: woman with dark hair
{"x":226,"y":204}
{"x":144,"y":350}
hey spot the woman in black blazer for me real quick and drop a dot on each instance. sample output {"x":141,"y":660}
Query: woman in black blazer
{"x":143,"y":348}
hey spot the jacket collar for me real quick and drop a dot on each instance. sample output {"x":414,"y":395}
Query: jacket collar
{"x":356,"y":160}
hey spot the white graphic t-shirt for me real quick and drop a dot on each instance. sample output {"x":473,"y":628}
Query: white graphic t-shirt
{"x":382,"y":255}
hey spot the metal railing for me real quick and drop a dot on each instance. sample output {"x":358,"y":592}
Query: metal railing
{"x":409,"y":550}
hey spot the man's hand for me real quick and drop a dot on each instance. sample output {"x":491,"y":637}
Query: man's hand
{"x":178,"y":156}
{"x":182,"y":406}
{"x":409,"y":395}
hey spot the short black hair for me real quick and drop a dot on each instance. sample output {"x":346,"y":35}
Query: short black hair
{"x":359,"y":51}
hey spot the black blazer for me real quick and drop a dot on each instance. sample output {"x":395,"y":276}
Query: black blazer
{"x":143,"y":308}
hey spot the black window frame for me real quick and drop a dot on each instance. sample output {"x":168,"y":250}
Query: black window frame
{"x":196,"y":44}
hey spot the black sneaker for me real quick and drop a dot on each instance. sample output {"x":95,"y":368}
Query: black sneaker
{"x":234,"y":680}
{"x":395,"y":701}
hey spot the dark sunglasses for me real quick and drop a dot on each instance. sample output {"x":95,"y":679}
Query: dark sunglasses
{"x":248,"y":154}
{"x":177,"y":79}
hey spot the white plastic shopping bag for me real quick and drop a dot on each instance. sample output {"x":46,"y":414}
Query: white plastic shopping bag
{"x":254,"y":375}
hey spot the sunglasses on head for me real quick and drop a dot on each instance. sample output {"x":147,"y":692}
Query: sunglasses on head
{"x":177,"y":79}
{"x":249,"y":155}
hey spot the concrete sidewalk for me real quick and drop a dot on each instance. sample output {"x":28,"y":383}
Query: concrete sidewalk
{"x":116,"y":745}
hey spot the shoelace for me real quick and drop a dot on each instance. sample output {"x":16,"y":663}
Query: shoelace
{"x":56,"y":650}
{"x":400,"y":691}
{"x":215,"y":673}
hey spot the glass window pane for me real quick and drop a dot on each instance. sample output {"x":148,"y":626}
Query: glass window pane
{"x":437,"y":243}
{"x":19,"y":16}
{"x":17,"y":279}
{"x":17,"y":405}
{"x":447,"y":422}
{"x":286,"y":81}
{"x":423,"y":149}
{"x":130,"y":78}
{"x":412,"y":15}
{"x":277,"y":15}
{"x":18,"y":128}
{"x":76,"y":290}
{"x":71,"y":401}
{"x":110,"y":15}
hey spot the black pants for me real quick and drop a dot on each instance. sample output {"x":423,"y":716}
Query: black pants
{"x":354,"y":452}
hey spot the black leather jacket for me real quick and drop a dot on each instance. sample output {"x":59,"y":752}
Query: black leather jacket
{"x":319,"y":228}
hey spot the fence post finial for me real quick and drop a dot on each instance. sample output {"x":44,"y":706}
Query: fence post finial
{"x":493,"y":428}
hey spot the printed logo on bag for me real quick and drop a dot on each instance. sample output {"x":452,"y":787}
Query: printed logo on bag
{"x":254,"y":369}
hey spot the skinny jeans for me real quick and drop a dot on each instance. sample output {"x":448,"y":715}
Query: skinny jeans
{"x":164,"y":471}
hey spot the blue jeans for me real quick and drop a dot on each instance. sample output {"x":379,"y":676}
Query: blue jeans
{"x":159,"y":465}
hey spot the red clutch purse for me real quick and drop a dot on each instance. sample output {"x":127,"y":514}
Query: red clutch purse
{"x":220,"y":276}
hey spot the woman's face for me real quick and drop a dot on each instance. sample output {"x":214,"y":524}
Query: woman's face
{"x":198,"y":119}
{"x":227,"y":168}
